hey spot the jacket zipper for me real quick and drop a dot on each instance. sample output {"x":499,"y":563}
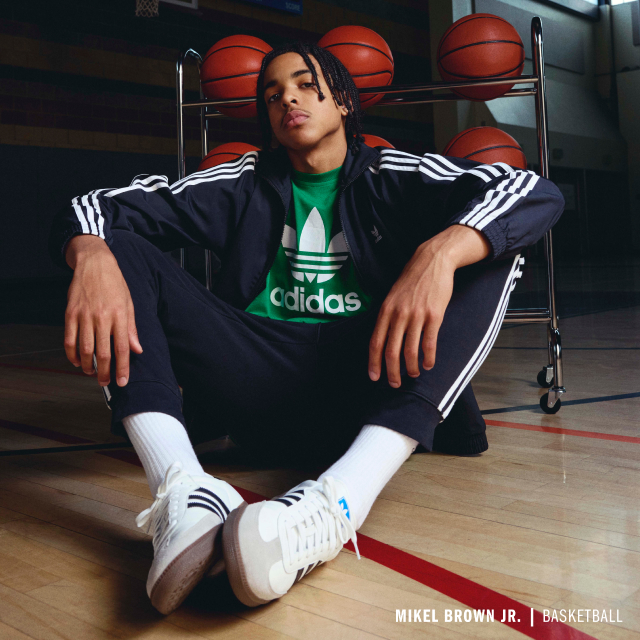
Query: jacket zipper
{"x":361,"y":279}
{"x":270,"y":262}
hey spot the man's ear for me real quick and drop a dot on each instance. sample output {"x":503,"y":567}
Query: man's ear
{"x":344,"y":111}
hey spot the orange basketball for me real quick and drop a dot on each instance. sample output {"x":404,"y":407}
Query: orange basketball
{"x":225,"y":153}
{"x":480,"y":45}
{"x":230,"y":70}
{"x":376,"y":141}
{"x":366,"y":56}
{"x":487,"y":145}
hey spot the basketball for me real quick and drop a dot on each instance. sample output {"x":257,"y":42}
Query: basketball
{"x":230,"y":70}
{"x":480,"y":45}
{"x":376,"y":141}
{"x":225,"y":153}
{"x":487,"y":145}
{"x":366,"y":56}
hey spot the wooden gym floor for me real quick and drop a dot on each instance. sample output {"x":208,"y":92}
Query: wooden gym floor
{"x":546,"y":519}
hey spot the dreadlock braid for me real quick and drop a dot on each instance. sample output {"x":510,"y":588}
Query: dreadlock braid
{"x":338,"y":79}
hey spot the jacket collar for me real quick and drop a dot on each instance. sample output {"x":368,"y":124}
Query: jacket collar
{"x":275,"y":167}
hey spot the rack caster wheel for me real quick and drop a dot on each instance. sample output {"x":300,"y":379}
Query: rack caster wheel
{"x":542,"y":378}
{"x":551,"y":410}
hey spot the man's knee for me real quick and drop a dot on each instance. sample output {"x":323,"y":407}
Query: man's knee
{"x":129,"y":247}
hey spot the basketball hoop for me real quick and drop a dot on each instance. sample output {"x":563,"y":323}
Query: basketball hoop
{"x":147,"y":8}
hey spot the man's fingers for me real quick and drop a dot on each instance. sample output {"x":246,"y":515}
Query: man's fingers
{"x":392,"y":351}
{"x":103,"y":354}
{"x":376,"y":345}
{"x":430,"y":341}
{"x":412,"y":349}
{"x":121,"y":347}
{"x":134,"y":341}
{"x":71,"y":337}
{"x":87,"y":344}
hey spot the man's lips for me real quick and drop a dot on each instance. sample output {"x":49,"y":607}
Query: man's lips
{"x":294,"y":118}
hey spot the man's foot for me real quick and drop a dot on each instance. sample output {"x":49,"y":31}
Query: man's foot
{"x":270,"y":545}
{"x":185,"y":519}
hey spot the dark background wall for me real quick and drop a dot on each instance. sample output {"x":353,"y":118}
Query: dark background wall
{"x":87,"y":98}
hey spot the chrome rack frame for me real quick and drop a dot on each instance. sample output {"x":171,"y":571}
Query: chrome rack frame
{"x":552,"y":372}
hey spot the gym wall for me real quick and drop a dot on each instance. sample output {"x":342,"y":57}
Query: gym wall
{"x":87,"y":99}
{"x":589,"y":146}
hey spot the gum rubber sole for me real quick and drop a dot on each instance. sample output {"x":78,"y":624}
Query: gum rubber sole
{"x":233,"y":560}
{"x":185,"y":571}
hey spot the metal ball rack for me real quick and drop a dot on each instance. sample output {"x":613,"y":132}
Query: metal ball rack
{"x":551,"y":374}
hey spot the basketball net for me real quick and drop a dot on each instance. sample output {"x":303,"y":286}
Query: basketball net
{"x":147,"y":8}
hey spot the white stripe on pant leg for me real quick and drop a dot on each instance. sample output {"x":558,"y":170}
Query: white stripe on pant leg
{"x":483,"y":355}
{"x":496,"y":321}
{"x":485,"y":346}
{"x":484,"y":349}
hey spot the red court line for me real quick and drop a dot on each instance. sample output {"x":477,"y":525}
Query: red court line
{"x":566,"y":432}
{"x":466,"y":591}
{"x":463,"y":590}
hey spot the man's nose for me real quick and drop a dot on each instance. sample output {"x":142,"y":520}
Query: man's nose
{"x":288,"y":99}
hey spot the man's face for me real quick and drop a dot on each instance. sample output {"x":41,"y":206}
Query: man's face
{"x":299,"y":119}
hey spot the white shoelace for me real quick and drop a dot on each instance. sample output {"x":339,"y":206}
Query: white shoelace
{"x":312,"y":529}
{"x":153,"y":516}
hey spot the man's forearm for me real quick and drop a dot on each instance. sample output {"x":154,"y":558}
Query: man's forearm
{"x":83,"y":244}
{"x":458,"y":244}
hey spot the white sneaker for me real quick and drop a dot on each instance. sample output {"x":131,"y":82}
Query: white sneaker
{"x":185,"y":519}
{"x":270,"y":545}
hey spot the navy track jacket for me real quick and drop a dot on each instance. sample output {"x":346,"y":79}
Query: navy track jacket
{"x":389,"y":203}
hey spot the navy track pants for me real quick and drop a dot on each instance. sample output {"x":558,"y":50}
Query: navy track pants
{"x":291,"y":388}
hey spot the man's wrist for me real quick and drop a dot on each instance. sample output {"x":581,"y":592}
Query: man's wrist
{"x":81,"y":246}
{"x":459,"y":245}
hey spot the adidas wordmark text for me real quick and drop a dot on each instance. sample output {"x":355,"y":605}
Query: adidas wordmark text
{"x":295,"y":301}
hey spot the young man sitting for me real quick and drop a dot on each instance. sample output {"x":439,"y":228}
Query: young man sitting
{"x":360,"y":290}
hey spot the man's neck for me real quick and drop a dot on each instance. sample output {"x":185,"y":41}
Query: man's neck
{"x":324,"y":157}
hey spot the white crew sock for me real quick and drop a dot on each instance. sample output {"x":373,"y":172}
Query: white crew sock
{"x":160,"y":440}
{"x":368,"y":465}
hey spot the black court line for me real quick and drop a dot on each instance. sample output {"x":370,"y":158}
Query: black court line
{"x":81,"y":447}
{"x":526,"y":407}
{"x":574,"y":348}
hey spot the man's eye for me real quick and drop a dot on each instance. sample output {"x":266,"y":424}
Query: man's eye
{"x":309,"y":84}
{"x":272,"y":97}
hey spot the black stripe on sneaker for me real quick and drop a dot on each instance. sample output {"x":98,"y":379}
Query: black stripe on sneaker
{"x":299,"y":575}
{"x":296,"y":498}
{"x":283,"y":501}
{"x":213,"y":495}
{"x":215,"y":505}
{"x":204,"y":505}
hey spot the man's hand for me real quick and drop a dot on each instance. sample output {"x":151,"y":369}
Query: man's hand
{"x":417,"y":302}
{"x":98,"y":305}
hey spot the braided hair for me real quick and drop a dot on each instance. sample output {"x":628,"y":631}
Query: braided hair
{"x":338,"y":79}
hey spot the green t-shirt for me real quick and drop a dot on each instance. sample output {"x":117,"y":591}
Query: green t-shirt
{"x":313,"y":278}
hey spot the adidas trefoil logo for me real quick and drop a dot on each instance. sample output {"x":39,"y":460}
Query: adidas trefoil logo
{"x":345,"y":507}
{"x":311,"y":259}
{"x":376,"y":234}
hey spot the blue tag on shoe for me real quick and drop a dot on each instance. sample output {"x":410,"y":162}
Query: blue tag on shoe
{"x":345,"y":507}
